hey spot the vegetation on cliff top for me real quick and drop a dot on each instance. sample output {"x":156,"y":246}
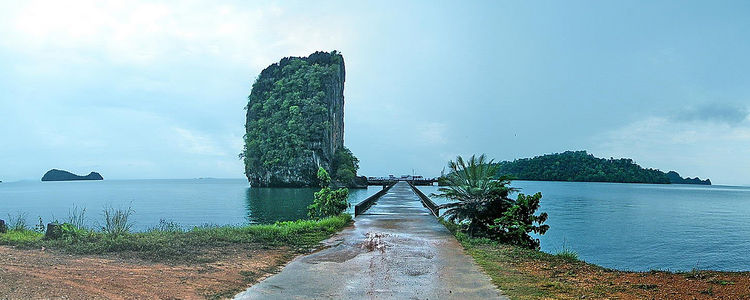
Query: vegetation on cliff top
{"x":291,"y":113}
{"x":582,"y":166}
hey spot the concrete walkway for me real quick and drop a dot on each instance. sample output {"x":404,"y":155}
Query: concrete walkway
{"x":421,"y":260}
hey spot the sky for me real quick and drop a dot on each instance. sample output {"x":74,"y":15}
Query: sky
{"x":157,"y":89}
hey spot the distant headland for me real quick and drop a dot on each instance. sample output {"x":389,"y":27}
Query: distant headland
{"x":584,"y":167}
{"x":60,"y":175}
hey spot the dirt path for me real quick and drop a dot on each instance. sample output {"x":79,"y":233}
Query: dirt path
{"x":396,"y":250}
{"x":37,"y":274}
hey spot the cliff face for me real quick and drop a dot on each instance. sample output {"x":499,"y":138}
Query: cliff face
{"x":60,"y":175}
{"x":295,"y":120}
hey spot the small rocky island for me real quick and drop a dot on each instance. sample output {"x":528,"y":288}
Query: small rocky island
{"x":61,"y":175}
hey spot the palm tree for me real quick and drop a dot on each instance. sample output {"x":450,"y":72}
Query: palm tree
{"x":477,"y":197}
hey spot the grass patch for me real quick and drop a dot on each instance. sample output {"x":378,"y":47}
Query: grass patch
{"x":530,"y":274}
{"x":507,"y":267}
{"x":567,"y":254}
{"x":167,"y":243}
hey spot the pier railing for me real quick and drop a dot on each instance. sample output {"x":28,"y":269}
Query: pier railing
{"x":362,"y":206}
{"x":426,"y":201}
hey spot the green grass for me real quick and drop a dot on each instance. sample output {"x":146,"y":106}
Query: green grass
{"x":567,"y":254}
{"x":505,"y":265}
{"x":167,"y":244}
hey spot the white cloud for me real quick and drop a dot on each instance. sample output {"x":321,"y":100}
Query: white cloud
{"x":195,"y":143}
{"x":144,"y":32}
{"x":719,"y":151}
{"x":431,"y":133}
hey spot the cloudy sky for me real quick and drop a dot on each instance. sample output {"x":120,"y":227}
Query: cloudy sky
{"x":144,"y":89}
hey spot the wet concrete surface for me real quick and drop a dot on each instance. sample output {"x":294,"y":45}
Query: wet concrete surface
{"x":408,"y":255}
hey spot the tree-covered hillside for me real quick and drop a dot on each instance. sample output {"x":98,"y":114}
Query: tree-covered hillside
{"x":580,"y":166}
{"x":295,"y":121}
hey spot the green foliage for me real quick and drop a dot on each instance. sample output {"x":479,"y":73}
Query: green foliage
{"x":17,"y":222}
{"x":475,"y":196}
{"x":345,"y":166}
{"x":116,"y":221}
{"x":519,"y":220}
{"x":323,"y":179}
{"x":567,"y":254}
{"x":71,"y":231}
{"x":64,"y":230}
{"x":480,"y":203}
{"x":172,"y":245}
{"x":167,"y":226}
{"x":328,"y":202}
{"x":580,"y":166}
{"x":77,"y":217}
{"x":288,"y":115}
{"x":21,"y":238}
{"x":39,"y":227}
{"x":345,"y":176}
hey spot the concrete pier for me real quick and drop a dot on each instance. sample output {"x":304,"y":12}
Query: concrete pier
{"x":396,"y":250}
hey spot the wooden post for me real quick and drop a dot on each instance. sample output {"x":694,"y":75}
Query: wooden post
{"x":54,"y":231}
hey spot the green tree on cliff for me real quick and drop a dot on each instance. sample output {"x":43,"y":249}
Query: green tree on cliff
{"x":290,"y":114}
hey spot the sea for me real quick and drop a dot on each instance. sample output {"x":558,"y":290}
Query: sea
{"x":638,"y":227}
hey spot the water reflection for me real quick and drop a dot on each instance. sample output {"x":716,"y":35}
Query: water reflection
{"x":269,"y":205}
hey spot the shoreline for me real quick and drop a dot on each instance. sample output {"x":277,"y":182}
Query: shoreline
{"x":532,"y":274}
{"x":204,"y":262}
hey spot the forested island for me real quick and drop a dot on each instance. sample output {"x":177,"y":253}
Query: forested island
{"x":295,"y":124}
{"x":585,"y":167}
{"x":61,"y":175}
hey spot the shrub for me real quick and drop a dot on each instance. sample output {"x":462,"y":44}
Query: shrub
{"x":77,"y":217}
{"x":328,"y":202}
{"x":481,"y":206}
{"x":567,"y":254}
{"x":166,"y":226}
{"x":17,"y":222}
{"x":39,"y":227}
{"x":519,"y":220}
{"x":116,"y":221}
{"x":477,"y":199}
{"x":344,"y":167}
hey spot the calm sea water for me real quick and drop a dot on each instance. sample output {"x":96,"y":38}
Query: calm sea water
{"x":644,"y":227}
{"x":191,"y":202}
{"x":622,"y":226}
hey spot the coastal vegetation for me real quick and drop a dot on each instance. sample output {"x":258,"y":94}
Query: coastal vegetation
{"x":295,"y":123}
{"x":328,"y":202}
{"x":344,"y":169}
{"x":523,"y":273}
{"x":168,"y":241}
{"x":582,"y":166}
{"x":480,"y":205}
{"x":210,"y":262}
